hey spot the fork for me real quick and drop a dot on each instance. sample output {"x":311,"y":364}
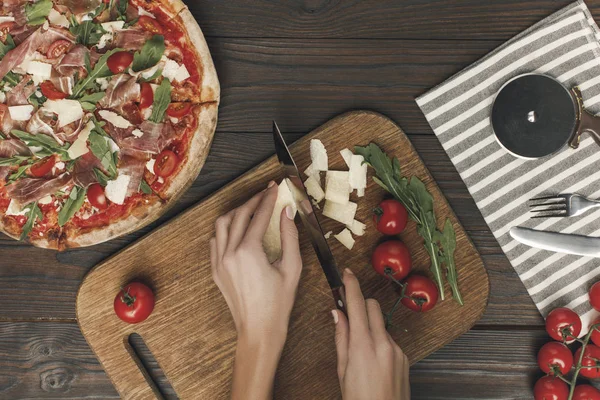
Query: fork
{"x":562,"y":205}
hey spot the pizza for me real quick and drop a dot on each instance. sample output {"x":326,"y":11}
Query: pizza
{"x":107,"y":112}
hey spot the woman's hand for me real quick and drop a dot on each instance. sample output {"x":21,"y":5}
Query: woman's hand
{"x":260,"y":295}
{"x":370,"y":363}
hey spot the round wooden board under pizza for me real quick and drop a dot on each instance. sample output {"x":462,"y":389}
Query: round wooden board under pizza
{"x":107,"y":113}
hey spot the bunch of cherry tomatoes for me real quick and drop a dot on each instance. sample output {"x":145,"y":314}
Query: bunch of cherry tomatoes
{"x":392,"y":260}
{"x":556,"y":359}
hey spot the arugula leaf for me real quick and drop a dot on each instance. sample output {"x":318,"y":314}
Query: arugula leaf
{"x":121,"y":7}
{"x":43,"y":141}
{"x":89,"y":101}
{"x":12,"y":78}
{"x":20,"y":172}
{"x":101,"y":150}
{"x":37,"y":12}
{"x":153,"y":77}
{"x":150,"y":54}
{"x":72,"y":205}
{"x":34,"y":214}
{"x":37,"y":101}
{"x":447,"y":239}
{"x":97,"y":11}
{"x":14,"y":160}
{"x":100,"y":70}
{"x":101,"y":177}
{"x":88,"y":33}
{"x":6,"y":47}
{"x":162,"y":99}
{"x":145,"y":188}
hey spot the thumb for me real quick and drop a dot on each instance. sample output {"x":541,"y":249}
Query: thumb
{"x":291,"y":260}
{"x":341,"y":342}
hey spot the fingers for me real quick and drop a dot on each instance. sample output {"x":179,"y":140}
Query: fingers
{"x":357,"y":312}
{"x":341,"y":342}
{"x":241,"y":220}
{"x":291,"y":260}
{"x":222,"y":233}
{"x":376,"y":323}
{"x":262,"y":216}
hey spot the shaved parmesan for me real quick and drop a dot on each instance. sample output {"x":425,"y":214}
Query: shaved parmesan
{"x":149,"y":73}
{"x":315,"y":204}
{"x":310,"y":171}
{"x":111,"y":144}
{"x":313,"y":188}
{"x":79,"y":146}
{"x":150,"y":165}
{"x":346,"y":155}
{"x":115,"y":119}
{"x":142,"y":12}
{"x":360,"y":192}
{"x":103,"y":82}
{"x":20,"y":113}
{"x":272,"y":238}
{"x":358,"y":172}
{"x":113,"y":26}
{"x":14,"y":208}
{"x":343,"y":213}
{"x":357,"y":227}
{"x":45,"y":200}
{"x":57,"y":18}
{"x":337,"y":188}
{"x":116,"y":190}
{"x":68,"y":111}
{"x":5,"y":18}
{"x":345,"y":238}
{"x":137,"y":133}
{"x":175,"y":72}
{"x":105,"y":40}
{"x":318,"y":155}
{"x":328,"y":235}
{"x":39,"y":71}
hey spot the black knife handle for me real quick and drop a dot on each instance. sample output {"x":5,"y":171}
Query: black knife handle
{"x":339,"y":295}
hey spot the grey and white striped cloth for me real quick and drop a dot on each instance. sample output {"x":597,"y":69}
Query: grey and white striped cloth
{"x":565,"y":45}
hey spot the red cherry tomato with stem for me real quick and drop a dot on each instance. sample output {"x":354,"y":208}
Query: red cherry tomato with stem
{"x":178,"y":110}
{"x":51,"y":92}
{"x":563,"y":324}
{"x":550,"y":388}
{"x":391,"y":259}
{"x":134,"y":303}
{"x":43,"y":167}
{"x":591,"y":358}
{"x":595,"y":296}
{"x":165,"y":163}
{"x":596,"y":334}
{"x":586,"y":392}
{"x":119,"y":62}
{"x":421,"y":294}
{"x":58,"y":48}
{"x":555,"y":356}
{"x":146,"y":96}
{"x":96,"y":196}
{"x":390,"y":217}
{"x":150,"y":24}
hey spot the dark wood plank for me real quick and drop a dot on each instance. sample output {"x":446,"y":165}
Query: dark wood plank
{"x":429,"y":19}
{"x":53,"y":361}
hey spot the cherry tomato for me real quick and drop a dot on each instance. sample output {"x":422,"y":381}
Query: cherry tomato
{"x":150,"y":24}
{"x":96,"y":196}
{"x":165,"y":164}
{"x":178,"y":110}
{"x":596,"y":334}
{"x":563,"y":324}
{"x":392,"y":259}
{"x":51,"y":92}
{"x":58,"y":48}
{"x":421,"y":294}
{"x":555,"y":356}
{"x":595,"y":296}
{"x":146,"y":96}
{"x":119,"y":62}
{"x":550,"y":388}
{"x":43,"y":167}
{"x":390,"y":217}
{"x":134,"y":303}
{"x":590,"y":357}
{"x":586,"y":392}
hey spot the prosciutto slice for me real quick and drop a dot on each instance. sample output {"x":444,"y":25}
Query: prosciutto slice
{"x":80,"y":8}
{"x":43,"y":123}
{"x":122,"y":89}
{"x":70,"y":132}
{"x":13,"y":147}
{"x":63,"y":83}
{"x":7,"y":124}
{"x":134,"y":168}
{"x":20,"y":94}
{"x":73,"y":61}
{"x":27,"y":190}
{"x":130,"y":39}
{"x":83,"y":171}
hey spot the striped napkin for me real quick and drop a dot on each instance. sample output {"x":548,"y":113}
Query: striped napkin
{"x":565,"y":45}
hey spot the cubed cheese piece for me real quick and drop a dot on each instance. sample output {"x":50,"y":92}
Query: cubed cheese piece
{"x":360,"y":192}
{"x":39,"y":71}
{"x":68,"y":111}
{"x":343,"y":213}
{"x":116,"y":190}
{"x":137,"y":133}
{"x":15,"y":208}
{"x":337,"y":188}
{"x":175,"y":72}
{"x":313,"y":188}
{"x":115,"y":119}
{"x":318,"y":155}
{"x":272,"y":238}
{"x":150,"y":165}
{"x":358,"y":172}
{"x":79,"y":146}
{"x":328,"y":235}
{"x":142,"y":12}
{"x":20,"y":113}
{"x":113,"y":26}
{"x":347,"y":155}
{"x":357,"y":227}
{"x":345,"y":238}
{"x":310,"y":171}
{"x":57,"y":18}
{"x":45,"y":200}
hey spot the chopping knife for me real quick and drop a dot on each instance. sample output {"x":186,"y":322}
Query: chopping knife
{"x":559,"y":242}
{"x":309,"y":220}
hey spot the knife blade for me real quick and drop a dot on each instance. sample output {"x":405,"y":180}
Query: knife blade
{"x":309,"y":219}
{"x":559,"y":242}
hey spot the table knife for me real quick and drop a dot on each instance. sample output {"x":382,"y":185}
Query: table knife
{"x":559,"y":242}
{"x":309,"y":219}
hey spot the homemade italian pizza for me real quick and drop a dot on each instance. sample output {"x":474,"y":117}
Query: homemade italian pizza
{"x":107,"y":113}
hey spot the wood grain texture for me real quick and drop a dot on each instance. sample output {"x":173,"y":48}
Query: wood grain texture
{"x":194,"y":343}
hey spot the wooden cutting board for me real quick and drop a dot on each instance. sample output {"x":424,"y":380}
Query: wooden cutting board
{"x":191,"y":333}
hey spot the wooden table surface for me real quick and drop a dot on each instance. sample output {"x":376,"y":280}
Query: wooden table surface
{"x":302,"y":62}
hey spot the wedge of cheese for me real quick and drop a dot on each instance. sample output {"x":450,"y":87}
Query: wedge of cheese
{"x":347,"y":156}
{"x":345,"y":238}
{"x":357,"y":228}
{"x":358,"y":172}
{"x":337,"y":187}
{"x":343,"y":213}
{"x":272,"y":238}
{"x":313,"y":188}
{"x":318,"y":155}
